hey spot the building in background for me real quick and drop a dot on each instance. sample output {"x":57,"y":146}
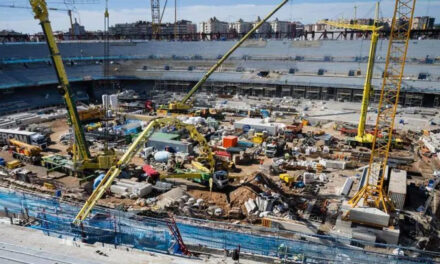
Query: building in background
{"x":264,"y":29}
{"x":186,"y":27}
{"x":182,"y":27}
{"x":240,"y":27}
{"x":214,"y":26}
{"x":280,"y":28}
{"x":138,"y":28}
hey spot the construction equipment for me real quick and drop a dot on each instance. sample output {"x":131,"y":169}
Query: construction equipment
{"x":13,"y":164}
{"x":292,"y":130}
{"x":155,"y":18}
{"x":28,"y":137}
{"x":25,"y":152}
{"x":288,"y":179}
{"x":205,"y":158}
{"x":81,"y":156}
{"x":91,"y":114}
{"x":374,"y":194}
{"x":218,"y":179}
{"x":259,"y":137}
{"x":275,"y":148}
{"x":361,"y":136}
{"x":183,"y":106}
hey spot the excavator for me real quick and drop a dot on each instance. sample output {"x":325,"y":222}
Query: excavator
{"x":362,"y":137}
{"x":82,"y":159}
{"x":184,"y":106}
{"x":205,"y":161}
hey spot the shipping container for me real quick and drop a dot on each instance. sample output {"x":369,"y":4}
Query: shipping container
{"x":230,"y":141}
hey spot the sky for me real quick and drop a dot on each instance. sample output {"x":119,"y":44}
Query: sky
{"x":90,"y":12}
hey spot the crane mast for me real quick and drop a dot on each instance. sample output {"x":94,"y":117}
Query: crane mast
{"x":361,"y":136}
{"x":39,"y":8}
{"x":373,"y":192}
{"x":155,"y":18}
{"x":81,"y":155}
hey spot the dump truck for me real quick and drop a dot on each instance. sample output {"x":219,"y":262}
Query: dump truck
{"x":292,"y":130}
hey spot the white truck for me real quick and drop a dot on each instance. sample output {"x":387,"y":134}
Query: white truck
{"x":31,"y":138}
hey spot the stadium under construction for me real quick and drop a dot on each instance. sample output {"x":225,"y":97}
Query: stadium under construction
{"x":255,"y":150}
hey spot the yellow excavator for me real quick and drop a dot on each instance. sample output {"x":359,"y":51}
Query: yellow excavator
{"x":82,"y":159}
{"x":185,"y":105}
{"x":362,"y":137}
{"x":205,"y":159}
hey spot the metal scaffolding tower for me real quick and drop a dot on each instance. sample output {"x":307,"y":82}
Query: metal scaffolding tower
{"x":155,"y":18}
{"x":374,"y":193}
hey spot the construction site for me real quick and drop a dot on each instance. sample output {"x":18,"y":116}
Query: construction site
{"x":258,"y":150}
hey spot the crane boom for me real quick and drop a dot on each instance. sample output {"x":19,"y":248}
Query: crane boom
{"x":69,"y":12}
{"x":39,"y":8}
{"x":373,"y":191}
{"x":183,"y":104}
{"x":205,"y":157}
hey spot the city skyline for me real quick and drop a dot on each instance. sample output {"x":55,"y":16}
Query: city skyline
{"x":306,"y":12}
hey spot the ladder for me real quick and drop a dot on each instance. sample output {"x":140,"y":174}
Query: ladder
{"x":171,"y":223}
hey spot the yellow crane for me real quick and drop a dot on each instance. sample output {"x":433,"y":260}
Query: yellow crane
{"x":81,"y":154}
{"x":361,"y":136}
{"x":205,"y":157}
{"x":69,"y":13}
{"x":183,"y":106}
{"x":373,"y":192}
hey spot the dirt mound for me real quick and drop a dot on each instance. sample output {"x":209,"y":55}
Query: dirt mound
{"x":239,"y":196}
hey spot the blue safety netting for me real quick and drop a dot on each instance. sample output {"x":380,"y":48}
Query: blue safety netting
{"x":145,"y":233}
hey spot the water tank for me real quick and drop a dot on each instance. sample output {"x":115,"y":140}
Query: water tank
{"x":162,"y":156}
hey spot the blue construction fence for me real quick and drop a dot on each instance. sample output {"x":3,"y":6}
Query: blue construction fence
{"x":55,"y":218}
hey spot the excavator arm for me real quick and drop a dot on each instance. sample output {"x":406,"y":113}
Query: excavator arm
{"x":204,"y":149}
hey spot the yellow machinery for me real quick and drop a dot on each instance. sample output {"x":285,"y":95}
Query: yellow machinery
{"x":205,"y":159}
{"x":13,"y":164}
{"x":81,"y":155}
{"x":373,"y":193}
{"x":258,"y":137}
{"x":183,"y":106}
{"x":92,"y":113}
{"x":25,"y":152}
{"x":361,"y":136}
{"x":288,"y":179}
